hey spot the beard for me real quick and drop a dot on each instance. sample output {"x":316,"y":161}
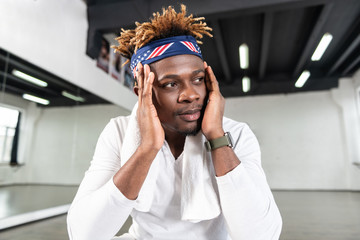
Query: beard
{"x":191,"y":132}
{"x":177,"y":127}
{"x":194,"y":130}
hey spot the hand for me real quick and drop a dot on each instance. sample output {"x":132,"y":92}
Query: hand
{"x":151,"y":131}
{"x":212,"y":122}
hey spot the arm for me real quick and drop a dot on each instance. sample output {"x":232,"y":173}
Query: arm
{"x":130,"y":178}
{"x":246,"y":201}
{"x":99,"y":208}
{"x":106,"y":194}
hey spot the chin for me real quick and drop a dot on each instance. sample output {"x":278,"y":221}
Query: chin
{"x":191,"y":131}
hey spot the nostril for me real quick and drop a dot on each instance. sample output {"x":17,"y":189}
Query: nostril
{"x":188,"y":94}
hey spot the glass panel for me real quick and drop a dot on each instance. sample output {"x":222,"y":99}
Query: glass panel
{"x":8,"y":117}
{"x":8,"y":122}
{"x":6,"y":140}
{"x":56,"y":141}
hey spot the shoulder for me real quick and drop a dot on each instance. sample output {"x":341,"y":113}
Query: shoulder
{"x":116,"y":127}
{"x":241,"y":133}
{"x":233,"y":126}
{"x":120,"y":121}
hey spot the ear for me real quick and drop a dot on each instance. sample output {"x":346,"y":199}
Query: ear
{"x":136,"y":87}
{"x":136,"y":90}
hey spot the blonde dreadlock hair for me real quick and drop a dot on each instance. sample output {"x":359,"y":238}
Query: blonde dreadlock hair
{"x":168,"y":24}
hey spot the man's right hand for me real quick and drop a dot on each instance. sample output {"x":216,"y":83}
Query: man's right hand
{"x":131,"y":176}
{"x":151,"y":131}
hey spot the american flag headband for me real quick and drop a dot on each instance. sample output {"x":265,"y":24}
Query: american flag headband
{"x":163,"y":48}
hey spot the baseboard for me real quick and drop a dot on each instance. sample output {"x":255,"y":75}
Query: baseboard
{"x":33,"y":216}
{"x":313,"y":190}
{"x":39,"y":184}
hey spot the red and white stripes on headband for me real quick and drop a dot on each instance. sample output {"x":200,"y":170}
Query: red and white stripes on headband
{"x":164,"y":48}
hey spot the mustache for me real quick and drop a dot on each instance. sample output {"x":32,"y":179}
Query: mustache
{"x":190,"y":109}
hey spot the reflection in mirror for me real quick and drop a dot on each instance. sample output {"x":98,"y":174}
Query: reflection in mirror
{"x":48,"y":131}
{"x":8,"y":134}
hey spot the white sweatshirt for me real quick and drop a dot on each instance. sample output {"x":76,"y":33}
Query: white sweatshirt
{"x":248,"y":208}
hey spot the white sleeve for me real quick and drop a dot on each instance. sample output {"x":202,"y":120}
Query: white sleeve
{"x":99,"y":208}
{"x":246,"y":200}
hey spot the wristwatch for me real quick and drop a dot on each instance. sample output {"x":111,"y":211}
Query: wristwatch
{"x":225,"y":140}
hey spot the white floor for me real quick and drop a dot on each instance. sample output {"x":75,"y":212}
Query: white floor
{"x":307,"y":215}
{"x":21,"y":204}
{"x":319,"y":215}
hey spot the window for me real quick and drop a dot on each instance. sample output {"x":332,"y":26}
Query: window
{"x":8,"y":123}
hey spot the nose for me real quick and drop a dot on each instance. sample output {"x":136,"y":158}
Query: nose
{"x":188,"y":94}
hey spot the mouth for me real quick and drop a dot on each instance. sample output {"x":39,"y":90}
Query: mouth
{"x":190,"y":115}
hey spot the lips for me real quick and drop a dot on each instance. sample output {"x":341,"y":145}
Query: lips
{"x":190,"y":115}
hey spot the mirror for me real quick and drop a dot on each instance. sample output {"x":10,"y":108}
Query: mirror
{"x":45,"y":147}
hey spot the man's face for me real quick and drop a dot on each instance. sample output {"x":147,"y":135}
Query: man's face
{"x":179,"y":93}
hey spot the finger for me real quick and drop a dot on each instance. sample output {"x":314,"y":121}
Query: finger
{"x":139,"y":78}
{"x":207,"y":80}
{"x":148,"y":83}
{"x":205,"y":64}
{"x":146,"y":72}
{"x":212,"y":84}
{"x":140,"y":75}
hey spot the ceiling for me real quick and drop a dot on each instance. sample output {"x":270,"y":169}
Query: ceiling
{"x":281,"y":34}
{"x":53,"y":92}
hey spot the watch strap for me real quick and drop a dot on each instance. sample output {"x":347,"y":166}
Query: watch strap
{"x":219,"y":142}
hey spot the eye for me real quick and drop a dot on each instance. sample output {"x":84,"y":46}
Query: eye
{"x":199,"y":80}
{"x":169,"y":85}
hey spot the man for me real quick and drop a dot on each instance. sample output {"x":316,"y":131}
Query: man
{"x":172,"y":164}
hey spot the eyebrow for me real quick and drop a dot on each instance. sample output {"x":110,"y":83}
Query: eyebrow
{"x":177,"y":76}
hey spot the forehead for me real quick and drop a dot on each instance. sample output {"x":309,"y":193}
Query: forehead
{"x":177,"y":65}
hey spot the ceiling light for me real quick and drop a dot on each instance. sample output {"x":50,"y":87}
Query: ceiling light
{"x":320,"y":49}
{"x":244,"y":56}
{"x":246,"y":84}
{"x":29,"y":78}
{"x":73,"y":97}
{"x":302,"y":79}
{"x":35,"y":99}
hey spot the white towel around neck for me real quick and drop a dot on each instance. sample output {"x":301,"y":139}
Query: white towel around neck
{"x":199,"y":200}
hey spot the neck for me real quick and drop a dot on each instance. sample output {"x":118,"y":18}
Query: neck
{"x":176,"y":143}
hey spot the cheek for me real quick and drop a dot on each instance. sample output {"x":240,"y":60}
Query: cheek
{"x":164,"y":104}
{"x":202,"y":92}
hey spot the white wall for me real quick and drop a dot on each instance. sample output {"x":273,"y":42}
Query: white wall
{"x":52,"y":35}
{"x":64,"y":142}
{"x":56,"y":144}
{"x":305,"y":137}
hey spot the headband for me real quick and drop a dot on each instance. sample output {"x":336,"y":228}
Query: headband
{"x":163,"y":48}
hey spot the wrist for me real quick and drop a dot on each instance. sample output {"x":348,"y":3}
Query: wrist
{"x":215,"y":134}
{"x":225,"y":140}
{"x":147,"y":149}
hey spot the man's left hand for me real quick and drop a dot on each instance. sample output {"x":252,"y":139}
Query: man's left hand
{"x":214,"y":111}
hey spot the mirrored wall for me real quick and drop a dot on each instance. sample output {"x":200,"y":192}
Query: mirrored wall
{"x":48,"y":132}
